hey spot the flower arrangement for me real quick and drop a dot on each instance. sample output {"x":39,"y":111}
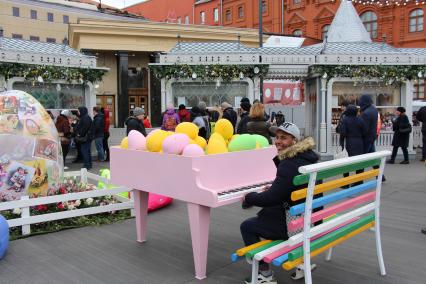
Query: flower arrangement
{"x":69,"y":185}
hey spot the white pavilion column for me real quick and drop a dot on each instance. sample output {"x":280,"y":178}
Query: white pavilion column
{"x":323,"y":123}
{"x":163,"y":95}
{"x":256,"y":88}
{"x":407,"y":102}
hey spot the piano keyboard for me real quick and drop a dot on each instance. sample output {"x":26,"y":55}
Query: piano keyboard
{"x":239,"y":192}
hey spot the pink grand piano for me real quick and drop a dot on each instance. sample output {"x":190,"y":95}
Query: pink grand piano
{"x":203,"y":182}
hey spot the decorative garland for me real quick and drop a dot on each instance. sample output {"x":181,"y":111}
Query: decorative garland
{"x":209,"y":72}
{"x":390,"y":74}
{"x":50,"y":73}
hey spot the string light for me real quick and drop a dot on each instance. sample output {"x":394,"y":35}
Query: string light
{"x":382,"y":3}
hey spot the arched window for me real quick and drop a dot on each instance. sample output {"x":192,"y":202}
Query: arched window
{"x":369,"y":19}
{"x":324,"y":31}
{"x":416,"y":21}
{"x":297,"y":32}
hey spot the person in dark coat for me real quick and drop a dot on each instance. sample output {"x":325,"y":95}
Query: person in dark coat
{"x":270,"y":222}
{"x":64,"y":130}
{"x":369,"y":116}
{"x":230,"y":114}
{"x":257,"y":123}
{"x":84,"y":133}
{"x":352,"y":131}
{"x":135,"y":121}
{"x":421,"y":116}
{"x":401,"y":135}
{"x":98,"y":132}
{"x":105,"y":112}
{"x":244,"y":117}
{"x":338,"y":128}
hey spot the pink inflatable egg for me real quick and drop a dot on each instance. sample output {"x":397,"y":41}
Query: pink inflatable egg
{"x":193,"y":150}
{"x":175,"y":143}
{"x":136,"y":140}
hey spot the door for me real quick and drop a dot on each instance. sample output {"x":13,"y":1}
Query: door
{"x":107,"y":102}
{"x":136,"y":100}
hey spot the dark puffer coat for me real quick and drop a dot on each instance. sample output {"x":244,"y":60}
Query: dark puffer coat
{"x":260,"y":127}
{"x":242,"y":125}
{"x":133,"y":123}
{"x":84,"y":125}
{"x":369,"y":116}
{"x":352,"y":130}
{"x":230,"y":114}
{"x":400,"y":139}
{"x":275,"y":199}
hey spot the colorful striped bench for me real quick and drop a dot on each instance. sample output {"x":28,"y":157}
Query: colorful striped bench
{"x":345,"y":212}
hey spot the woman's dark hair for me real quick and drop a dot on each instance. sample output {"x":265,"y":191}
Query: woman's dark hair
{"x":182,"y":106}
{"x":214,"y":115}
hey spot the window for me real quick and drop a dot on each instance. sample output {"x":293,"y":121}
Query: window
{"x":18,"y":36}
{"x":50,"y":17}
{"x":15,"y":11}
{"x":51,"y":40}
{"x":324,"y":31}
{"x":179,"y":20}
{"x":297,"y":33}
{"x":216,"y":15}
{"x":419,"y":91}
{"x":33,"y":14}
{"x":186,"y":20}
{"x":202,"y":17}
{"x":228,"y":15}
{"x":34,"y":38}
{"x":416,"y":21}
{"x":66,"y":19}
{"x":240,"y":12}
{"x":369,"y":19}
{"x":264,"y":7}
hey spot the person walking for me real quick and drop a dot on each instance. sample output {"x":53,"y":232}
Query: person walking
{"x":421,"y":116}
{"x":369,"y":115}
{"x":84,"y":135}
{"x":244,"y":117}
{"x":257,"y":123}
{"x":338,"y":128}
{"x":135,"y":121}
{"x":229,"y":113}
{"x":105,"y":112}
{"x":184,"y":114}
{"x":170,"y":119}
{"x":401,"y":136}
{"x":64,"y":130}
{"x":352,"y":130}
{"x":98,"y":132}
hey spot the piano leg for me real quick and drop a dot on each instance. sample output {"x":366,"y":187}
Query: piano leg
{"x":141,"y":213}
{"x":199,"y":221}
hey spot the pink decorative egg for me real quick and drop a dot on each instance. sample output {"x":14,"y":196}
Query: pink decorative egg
{"x":193,"y":150}
{"x":175,"y":143}
{"x":136,"y":140}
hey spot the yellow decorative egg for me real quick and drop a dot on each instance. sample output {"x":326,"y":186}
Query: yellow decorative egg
{"x":224,"y":128}
{"x":155,"y":140}
{"x":124,"y":143}
{"x":200,"y":141}
{"x":216,"y":145}
{"x":187,"y":128}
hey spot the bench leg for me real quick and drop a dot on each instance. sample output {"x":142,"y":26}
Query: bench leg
{"x":141,"y":213}
{"x":379,"y":247}
{"x":254,"y":271}
{"x":328,"y":255}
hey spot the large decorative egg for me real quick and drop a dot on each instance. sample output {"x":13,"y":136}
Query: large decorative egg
{"x":200,"y":141}
{"x":193,"y":150}
{"x":187,"y":128}
{"x":124,"y":143}
{"x":216,"y":145}
{"x":261,"y":140}
{"x":242,"y":142}
{"x":136,"y":140}
{"x":224,"y":127}
{"x":175,"y":143}
{"x":154,"y":141}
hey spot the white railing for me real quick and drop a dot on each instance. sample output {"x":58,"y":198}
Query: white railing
{"x":25,"y":203}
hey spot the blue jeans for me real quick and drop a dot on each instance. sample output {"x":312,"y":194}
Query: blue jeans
{"x":99,"y":142}
{"x":86,"y":153}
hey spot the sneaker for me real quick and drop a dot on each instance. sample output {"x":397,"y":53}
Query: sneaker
{"x":299,"y":272}
{"x":424,"y":231}
{"x":404,"y":162}
{"x":390,"y":162}
{"x":262,"y":279}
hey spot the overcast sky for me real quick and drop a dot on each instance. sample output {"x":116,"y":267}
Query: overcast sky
{"x":120,"y":3}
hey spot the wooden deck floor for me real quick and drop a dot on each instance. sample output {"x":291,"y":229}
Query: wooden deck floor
{"x":110,"y":254}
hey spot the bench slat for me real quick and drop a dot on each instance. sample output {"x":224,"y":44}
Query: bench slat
{"x":321,"y":201}
{"x":251,"y":253}
{"x":301,"y":193}
{"x":304,"y":178}
{"x":244,"y":250}
{"x":292,"y":264}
